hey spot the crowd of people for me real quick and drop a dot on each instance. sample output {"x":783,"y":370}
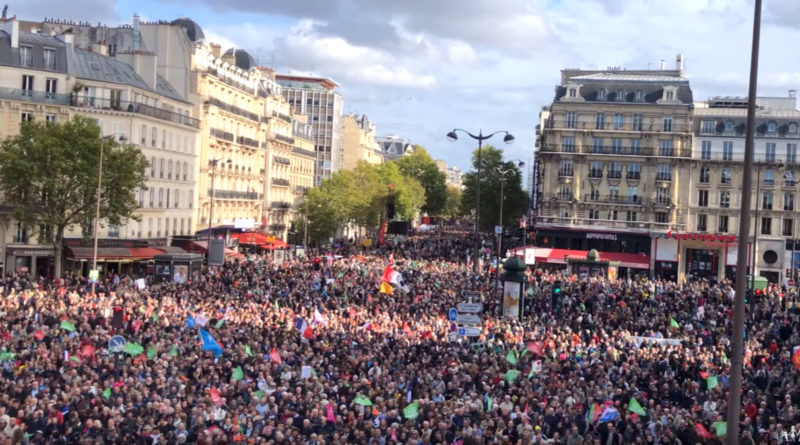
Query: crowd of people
{"x":311,"y":351}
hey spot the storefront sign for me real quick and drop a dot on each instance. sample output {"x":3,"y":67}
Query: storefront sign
{"x":29,"y":252}
{"x":603,"y":236}
{"x":702,"y":237}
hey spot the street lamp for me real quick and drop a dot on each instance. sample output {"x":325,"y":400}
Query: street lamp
{"x":503,"y":174}
{"x":212,"y":165}
{"x":453,"y":136}
{"x":97,"y":211}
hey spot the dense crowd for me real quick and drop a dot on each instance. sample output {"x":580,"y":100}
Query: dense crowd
{"x":309,"y":351}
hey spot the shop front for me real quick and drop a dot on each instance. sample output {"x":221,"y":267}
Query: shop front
{"x":32,"y":260}
{"x":686,"y":255}
{"x":602,"y":241}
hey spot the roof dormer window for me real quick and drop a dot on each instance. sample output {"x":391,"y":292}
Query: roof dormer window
{"x":622,"y":95}
{"x":601,"y":95}
{"x":728,"y":125}
{"x":639,"y":95}
{"x":669,"y":95}
{"x":772,"y":127}
{"x":573,"y":92}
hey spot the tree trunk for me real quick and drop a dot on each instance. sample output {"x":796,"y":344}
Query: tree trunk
{"x":58,"y":244}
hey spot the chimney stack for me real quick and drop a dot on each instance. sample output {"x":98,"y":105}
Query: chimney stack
{"x":663,"y":65}
{"x":792,"y":93}
{"x":11,"y":26}
{"x":679,"y":63}
{"x":135,"y":32}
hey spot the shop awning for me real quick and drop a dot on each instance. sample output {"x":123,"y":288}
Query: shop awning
{"x":202,"y":247}
{"x":252,"y":238}
{"x":278,"y":244}
{"x":560,"y":256}
{"x":113,"y":253}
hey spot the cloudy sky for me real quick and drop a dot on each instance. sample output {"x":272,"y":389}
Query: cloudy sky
{"x":419,"y":68}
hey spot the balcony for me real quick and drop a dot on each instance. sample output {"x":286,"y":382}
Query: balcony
{"x":130,"y":107}
{"x":596,"y":173}
{"x":633,"y":176}
{"x":280,"y":205}
{"x":234,"y":83}
{"x":232,"y":109}
{"x":284,"y":139}
{"x":664,"y":177}
{"x":565,"y":173}
{"x":223,"y":135}
{"x":643,"y":226}
{"x":40,"y":97}
{"x":629,"y":126}
{"x":615,"y":174}
{"x":615,"y":199}
{"x":304,"y":152}
{"x":235,"y":194}
{"x":284,"y":117}
{"x":241,"y":140}
{"x":281,"y":160}
{"x":264,"y":119}
{"x":662,"y":202}
{"x":615,"y":150}
{"x":280,"y":182}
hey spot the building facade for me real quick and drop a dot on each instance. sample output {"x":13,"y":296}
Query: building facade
{"x":359,"y":142}
{"x":319,"y":99}
{"x":394,"y":147}
{"x":303,"y":161}
{"x":129,"y":102}
{"x":614,"y":153}
{"x":715,"y":191}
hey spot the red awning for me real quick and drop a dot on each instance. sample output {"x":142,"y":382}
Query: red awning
{"x":113,"y":253}
{"x":559,"y":256}
{"x":202,"y":247}
{"x":278,"y":244}
{"x":253,"y":238}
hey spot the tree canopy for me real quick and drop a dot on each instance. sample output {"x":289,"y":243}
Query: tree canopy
{"x":422,"y":167}
{"x":49,"y":176}
{"x":515,"y":199}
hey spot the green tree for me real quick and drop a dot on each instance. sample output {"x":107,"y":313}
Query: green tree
{"x":320,"y":213}
{"x":452,"y":206}
{"x":49,"y":176}
{"x":422,"y":167}
{"x":408,"y":193}
{"x":514,"y":197}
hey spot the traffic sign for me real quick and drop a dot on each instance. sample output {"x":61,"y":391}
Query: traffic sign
{"x":94,"y":275}
{"x":471,"y":294}
{"x":452,"y":327}
{"x":452,"y":314}
{"x":452,"y":336}
{"x":498,"y":230}
{"x":465,"y":331}
{"x":468,"y":319}
{"x":116,"y":343}
{"x":470,"y":308}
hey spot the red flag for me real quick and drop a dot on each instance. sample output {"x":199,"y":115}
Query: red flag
{"x":796,"y":357}
{"x":407,"y":329}
{"x":702,"y":431}
{"x":61,"y":291}
{"x":387,"y":274}
{"x":308,"y":333}
{"x":214,"y":394}
{"x":87,"y":350}
{"x":535,"y":348}
{"x":38,"y":334}
{"x":274,"y":356}
{"x":703,"y":374}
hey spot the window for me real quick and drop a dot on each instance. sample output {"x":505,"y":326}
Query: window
{"x":788,"y":201}
{"x":622,"y":95}
{"x":594,"y":214}
{"x":601,"y":95}
{"x":167,"y":201}
{"x":722,"y":223}
{"x":25,"y":56}
{"x":163,"y":138}
{"x":729,"y":126}
{"x":639,"y":95}
{"x":662,"y":197}
{"x":766,"y":201}
{"x":566,"y":169}
{"x":708,"y":127}
{"x":771,"y":127}
{"x":152,"y":198}
{"x":115,"y":99}
{"x":565,"y":193}
{"x":636,"y":146}
{"x":788,"y":225}
{"x":701,"y":222}
{"x":670,"y":95}
{"x":143,"y":134}
{"x":572,"y":119}
{"x":50,"y":118}
{"x":27,"y":85}
{"x":153,"y":166}
{"x":769,"y":177}
{"x":613,"y":193}
{"x":161,"y":168}
{"x":634,"y":171}
{"x":160,"y":198}
{"x":663,"y":172}
{"x":788,"y":178}
{"x":619,"y":120}
{"x":169,"y":169}
{"x":616,"y":146}
{"x":769,"y":154}
{"x":633,"y":194}
{"x":766,"y":225}
{"x":702,"y":198}
{"x":568,"y":144}
{"x":185,"y":170}
{"x":662,"y":218}
{"x":791,"y":153}
{"x":596,"y":169}
{"x":725,"y":200}
{"x":725,"y":177}
{"x":727,"y":151}
{"x":705,"y":175}
{"x":153,"y":136}
{"x":177,"y":195}
{"x":665,"y":148}
{"x":600,"y":121}
{"x":612,"y":215}
{"x":705,"y":150}
{"x":573,"y":92}
{"x":637,"y":122}
{"x":594,"y":194}
{"x":615,"y":170}
{"x":792,"y":128}
{"x":51,"y":87}
{"x":630,"y":216}
{"x":667,"y":123}
{"x":27,"y":116}
{"x":597,"y":145}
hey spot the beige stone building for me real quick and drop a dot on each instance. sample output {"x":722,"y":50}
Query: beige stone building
{"x":359,"y":142}
{"x":614,"y":154}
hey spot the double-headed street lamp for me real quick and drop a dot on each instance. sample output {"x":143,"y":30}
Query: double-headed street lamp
{"x":94,"y":279}
{"x":504,"y":173}
{"x":212,"y":165}
{"x":453,"y":136}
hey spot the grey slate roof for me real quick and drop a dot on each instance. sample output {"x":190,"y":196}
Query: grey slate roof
{"x":165,"y":88}
{"x":651,"y":86}
{"x":94,"y":66}
{"x":38,"y":42}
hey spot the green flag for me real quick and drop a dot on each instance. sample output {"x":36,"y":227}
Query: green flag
{"x":151,"y":352}
{"x":132,"y":348}
{"x":155,"y":318}
{"x":67,"y":326}
{"x":673,"y":323}
{"x":219,"y":323}
{"x":74,"y":359}
{"x":721,"y":428}
{"x":238,"y":374}
{"x":489,"y":404}
{"x":530,"y":373}
{"x":7,"y":356}
{"x":511,"y":357}
{"x":511,"y":375}
{"x":174,"y":351}
{"x":411,"y":411}
{"x":107,"y":393}
{"x":341,"y":274}
{"x":363,"y":400}
{"x":364,"y":272}
{"x":711,"y":382}
{"x":248,"y":351}
{"x":258,"y":394}
{"x":277,"y":306}
{"x":724,"y":358}
{"x":634,"y":407}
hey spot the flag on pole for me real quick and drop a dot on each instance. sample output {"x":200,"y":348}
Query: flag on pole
{"x":411,"y":411}
{"x":318,"y":318}
{"x":190,"y":322}
{"x":634,"y":407}
{"x":511,"y":375}
{"x":67,"y":326}
{"x":673,"y":323}
{"x":609,"y":414}
{"x":274,"y":356}
{"x":238,"y":373}
{"x":386,"y":289}
{"x":702,"y":431}
{"x":796,"y":357}
{"x":511,"y":356}
{"x":711,"y":382}
{"x":248,"y":351}
{"x":363,"y":400}
{"x":209,"y":344}
{"x":107,"y":393}
{"x":721,"y":428}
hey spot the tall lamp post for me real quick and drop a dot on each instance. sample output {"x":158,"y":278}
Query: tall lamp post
{"x":737,"y":331}
{"x":212,"y":166}
{"x":97,"y":210}
{"x":508,"y":139}
{"x":504,"y":173}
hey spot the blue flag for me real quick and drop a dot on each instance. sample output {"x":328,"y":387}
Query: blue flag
{"x":209,"y":344}
{"x":190,"y":322}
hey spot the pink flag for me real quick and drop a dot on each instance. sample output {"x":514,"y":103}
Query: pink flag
{"x":329,"y":415}
{"x":274,"y":356}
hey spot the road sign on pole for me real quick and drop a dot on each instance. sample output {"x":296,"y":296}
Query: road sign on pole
{"x":470,"y":319}
{"x":116,"y":343}
{"x":498,"y":230}
{"x":470,"y":308}
{"x":452,"y":314}
{"x":466,"y":331}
